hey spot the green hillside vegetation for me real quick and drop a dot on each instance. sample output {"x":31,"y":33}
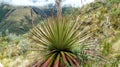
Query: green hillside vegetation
{"x":3,"y":11}
{"x":105,"y":20}
{"x":18,"y":20}
{"x":19,"y":14}
{"x":99,"y":12}
{"x":84,"y":37}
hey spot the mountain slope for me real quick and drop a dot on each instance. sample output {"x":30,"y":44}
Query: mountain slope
{"x":18,"y":20}
{"x":3,"y":11}
{"x":100,"y":12}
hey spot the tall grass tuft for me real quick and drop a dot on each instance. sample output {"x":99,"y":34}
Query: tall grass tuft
{"x":57,"y":40}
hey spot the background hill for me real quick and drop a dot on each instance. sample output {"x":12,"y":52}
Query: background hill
{"x":99,"y":21}
{"x":3,"y":11}
{"x":19,"y":19}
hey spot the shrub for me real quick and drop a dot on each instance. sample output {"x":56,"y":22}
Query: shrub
{"x":57,"y":39}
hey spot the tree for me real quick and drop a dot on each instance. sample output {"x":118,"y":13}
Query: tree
{"x":59,"y":8}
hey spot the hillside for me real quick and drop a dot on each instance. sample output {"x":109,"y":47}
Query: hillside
{"x":100,"y":12}
{"x":18,"y":20}
{"x":85,"y":37}
{"x":3,"y":11}
{"x":104,"y":21}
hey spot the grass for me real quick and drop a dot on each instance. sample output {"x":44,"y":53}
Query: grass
{"x":68,"y":40}
{"x":58,"y":39}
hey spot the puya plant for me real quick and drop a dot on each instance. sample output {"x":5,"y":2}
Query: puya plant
{"x":57,"y":39}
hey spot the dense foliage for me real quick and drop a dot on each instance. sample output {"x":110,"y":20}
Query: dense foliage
{"x":3,"y":12}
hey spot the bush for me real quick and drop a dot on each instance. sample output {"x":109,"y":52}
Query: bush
{"x":58,"y":39}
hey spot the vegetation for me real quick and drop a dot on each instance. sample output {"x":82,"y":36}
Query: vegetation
{"x":58,"y":42}
{"x":86,"y":37}
{"x":3,"y":11}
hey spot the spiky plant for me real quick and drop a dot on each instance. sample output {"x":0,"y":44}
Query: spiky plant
{"x":57,"y":39}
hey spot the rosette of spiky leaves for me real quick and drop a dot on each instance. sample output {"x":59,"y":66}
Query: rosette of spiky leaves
{"x":57,"y":40}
